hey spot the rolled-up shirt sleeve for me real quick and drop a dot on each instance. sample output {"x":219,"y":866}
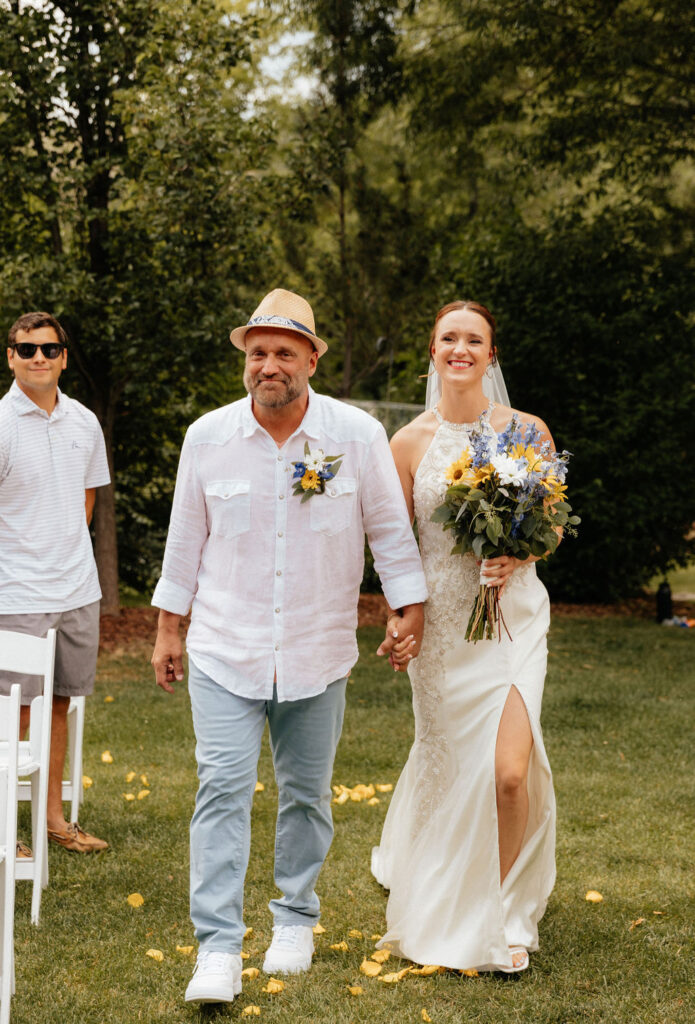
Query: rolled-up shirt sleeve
{"x":388,"y":529}
{"x":188,"y":533}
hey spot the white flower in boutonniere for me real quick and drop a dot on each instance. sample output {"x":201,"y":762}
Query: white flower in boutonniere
{"x":310,"y":475}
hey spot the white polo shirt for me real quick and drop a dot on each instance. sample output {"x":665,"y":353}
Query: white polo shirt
{"x":46,"y":464}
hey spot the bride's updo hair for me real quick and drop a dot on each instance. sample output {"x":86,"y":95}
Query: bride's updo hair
{"x":474,"y":307}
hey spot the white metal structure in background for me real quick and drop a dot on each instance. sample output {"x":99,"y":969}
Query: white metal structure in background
{"x":33,"y":655}
{"x":9,"y":741}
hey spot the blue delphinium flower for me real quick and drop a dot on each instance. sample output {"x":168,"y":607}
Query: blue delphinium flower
{"x":300,"y":470}
{"x":511,"y":435}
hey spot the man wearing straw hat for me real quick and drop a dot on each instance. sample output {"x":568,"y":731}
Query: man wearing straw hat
{"x":273,"y":497}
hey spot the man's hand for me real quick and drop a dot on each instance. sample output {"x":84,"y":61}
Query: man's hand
{"x":167,"y":659}
{"x":403,"y":636}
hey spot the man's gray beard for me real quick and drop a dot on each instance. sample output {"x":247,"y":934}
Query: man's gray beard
{"x":294,"y":388}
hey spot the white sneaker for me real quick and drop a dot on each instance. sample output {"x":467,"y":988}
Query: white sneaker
{"x":290,"y":951}
{"x":216,"y":978}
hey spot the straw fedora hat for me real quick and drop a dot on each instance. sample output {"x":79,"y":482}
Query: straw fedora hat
{"x":286,"y":311}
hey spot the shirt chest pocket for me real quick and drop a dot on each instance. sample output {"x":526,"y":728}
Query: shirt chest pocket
{"x":229,"y":507}
{"x":334,"y":510}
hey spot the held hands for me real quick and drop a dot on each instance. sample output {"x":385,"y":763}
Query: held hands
{"x":403,"y":636}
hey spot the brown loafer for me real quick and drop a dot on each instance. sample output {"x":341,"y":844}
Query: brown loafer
{"x":23,"y":850}
{"x":76,"y":839}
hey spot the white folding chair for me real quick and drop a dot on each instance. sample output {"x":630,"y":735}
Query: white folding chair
{"x":9,"y":738}
{"x":72,"y":787}
{"x":20,"y":652}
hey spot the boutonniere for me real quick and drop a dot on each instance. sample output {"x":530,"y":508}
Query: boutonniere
{"x":310,"y":475}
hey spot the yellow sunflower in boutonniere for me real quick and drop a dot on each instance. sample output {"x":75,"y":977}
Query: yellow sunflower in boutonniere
{"x":310,"y":475}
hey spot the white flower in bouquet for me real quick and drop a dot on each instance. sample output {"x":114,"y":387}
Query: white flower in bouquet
{"x":511,"y":472}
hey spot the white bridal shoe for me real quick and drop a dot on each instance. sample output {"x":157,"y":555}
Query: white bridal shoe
{"x":521,"y":953}
{"x":290,"y":951}
{"x":216,"y":978}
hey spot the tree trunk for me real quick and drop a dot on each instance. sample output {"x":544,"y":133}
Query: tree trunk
{"x":106,"y":549}
{"x":105,"y":538}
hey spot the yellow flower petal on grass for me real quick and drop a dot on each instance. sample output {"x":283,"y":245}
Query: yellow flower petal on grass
{"x":143,"y":780}
{"x":370,"y":968}
{"x":129,"y":796}
{"x":244,"y":956}
{"x":109,"y":700}
{"x":342,"y":947}
{"x":593,"y":897}
{"x":355,"y":933}
{"x":318,"y":929}
{"x":274,"y":986}
{"x":251,"y":973}
{"x":381,"y":955}
{"x":184,"y":950}
{"x":391,"y":979}
{"x":107,"y":757}
{"x":425,"y":1016}
{"x":135,"y":899}
{"x":130,"y":776}
{"x":86,"y":782}
{"x":259,"y":787}
{"x":636,"y":923}
{"x":155,"y":954}
{"x":375,"y":937}
{"x":355,"y":990}
{"x":248,"y":933}
{"x":251,"y":1011}
{"x":470,"y":972}
{"x":426,"y":970}
{"x":384,"y":787}
{"x":361,"y":792}
{"x":143,"y":793}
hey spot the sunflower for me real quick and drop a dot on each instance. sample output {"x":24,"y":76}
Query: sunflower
{"x":310,"y":480}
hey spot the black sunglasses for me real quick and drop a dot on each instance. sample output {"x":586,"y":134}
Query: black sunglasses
{"x":26,"y":350}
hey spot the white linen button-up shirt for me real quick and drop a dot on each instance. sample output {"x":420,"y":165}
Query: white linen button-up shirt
{"x":274,"y":581}
{"x":46,"y":464}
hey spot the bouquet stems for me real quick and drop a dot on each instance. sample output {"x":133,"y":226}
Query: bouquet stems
{"x":486,"y":616}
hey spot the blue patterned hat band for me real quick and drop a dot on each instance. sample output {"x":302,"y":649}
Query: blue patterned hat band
{"x":282,"y":310}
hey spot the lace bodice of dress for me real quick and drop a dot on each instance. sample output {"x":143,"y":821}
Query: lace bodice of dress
{"x":451,"y":579}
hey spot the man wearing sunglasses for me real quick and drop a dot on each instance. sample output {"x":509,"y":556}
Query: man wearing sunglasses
{"x":52,"y":458}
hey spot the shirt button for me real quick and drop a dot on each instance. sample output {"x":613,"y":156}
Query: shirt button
{"x":281,"y":496}
{"x":277,"y":647}
{"x":277,"y":610}
{"x":279,"y":458}
{"x":278,"y":572}
{"x":280,"y":533}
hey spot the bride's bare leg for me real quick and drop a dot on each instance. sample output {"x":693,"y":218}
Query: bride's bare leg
{"x":512,"y":754}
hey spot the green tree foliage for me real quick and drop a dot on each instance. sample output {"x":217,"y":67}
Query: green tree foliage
{"x":593,"y":339}
{"x":353,"y":232}
{"x":131,"y":208}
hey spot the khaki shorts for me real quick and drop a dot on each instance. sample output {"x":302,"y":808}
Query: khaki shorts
{"x":77,"y":645}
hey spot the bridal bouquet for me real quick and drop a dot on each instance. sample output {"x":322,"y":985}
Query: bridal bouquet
{"x":506,"y":496}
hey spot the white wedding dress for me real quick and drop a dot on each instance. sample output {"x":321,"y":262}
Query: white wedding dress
{"x":439,"y":848}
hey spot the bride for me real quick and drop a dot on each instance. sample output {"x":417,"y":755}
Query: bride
{"x":468,"y":845}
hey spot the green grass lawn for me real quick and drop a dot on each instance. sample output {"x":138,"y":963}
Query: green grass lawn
{"x":618,"y":714}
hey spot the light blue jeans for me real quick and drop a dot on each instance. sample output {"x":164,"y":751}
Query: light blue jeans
{"x":304,"y":735}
